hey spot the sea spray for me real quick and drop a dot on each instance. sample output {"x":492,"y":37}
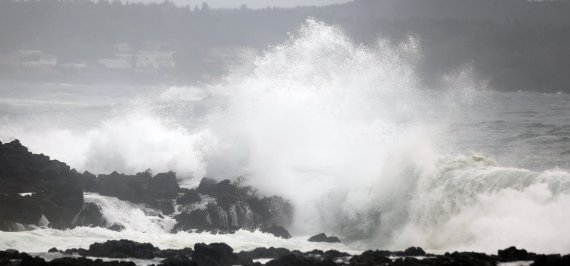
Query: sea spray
{"x":344,"y":132}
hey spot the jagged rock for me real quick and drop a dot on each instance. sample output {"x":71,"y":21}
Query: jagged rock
{"x":235,"y":207}
{"x":551,"y":260}
{"x":276,"y":230}
{"x":88,"y":181}
{"x":123,"y":249}
{"x":414,"y":251}
{"x":90,"y":215}
{"x":190,"y":196}
{"x":55,"y":187}
{"x":241,"y":216}
{"x":264,"y":253}
{"x":322,"y":237}
{"x":217,"y":254}
{"x":370,"y":257}
{"x":197,"y":219}
{"x":514,"y":254}
{"x":88,"y":262}
{"x":139,"y":188}
{"x":19,"y":209}
{"x":166,"y":206}
{"x":218,"y":216}
{"x":296,"y":260}
{"x":116,"y":227}
{"x":53,"y":250}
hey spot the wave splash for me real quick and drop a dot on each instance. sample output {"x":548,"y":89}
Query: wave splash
{"x":344,"y":132}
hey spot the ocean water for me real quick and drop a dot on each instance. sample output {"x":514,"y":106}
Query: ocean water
{"x":344,"y":131}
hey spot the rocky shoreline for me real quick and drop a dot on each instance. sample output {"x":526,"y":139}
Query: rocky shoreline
{"x":38,"y":192}
{"x":118,"y":252}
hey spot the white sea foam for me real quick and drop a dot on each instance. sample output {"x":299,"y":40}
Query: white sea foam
{"x":341,"y":130}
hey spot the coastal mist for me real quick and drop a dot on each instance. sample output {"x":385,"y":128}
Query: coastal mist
{"x":342,"y":130}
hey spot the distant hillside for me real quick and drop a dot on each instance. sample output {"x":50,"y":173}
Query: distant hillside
{"x":515,"y":44}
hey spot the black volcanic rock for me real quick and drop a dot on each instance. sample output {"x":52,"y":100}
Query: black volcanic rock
{"x":123,"y":249}
{"x":551,"y":260}
{"x":87,"y":262}
{"x":264,"y":253}
{"x":414,"y":251}
{"x":55,"y":187}
{"x":276,"y":230}
{"x":90,"y":215}
{"x":217,"y":254}
{"x":322,"y":237}
{"x":296,"y":260}
{"x":370,"y":257}
{"x":233,"y":207}
{"x":196,"y":219}
{"x":19,"y":209}
{"x":139,"y":188}
{"x":514,"y":254}
{"x":190,"y":196}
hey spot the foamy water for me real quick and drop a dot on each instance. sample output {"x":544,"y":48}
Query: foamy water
{"x":346,"y":134}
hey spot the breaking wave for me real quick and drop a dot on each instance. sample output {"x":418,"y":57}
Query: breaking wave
{"x":344,"y":132}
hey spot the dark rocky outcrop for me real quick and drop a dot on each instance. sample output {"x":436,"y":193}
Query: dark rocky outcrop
{"x":551,"y":260}
{"x":15,"y":258}
{"x":16,"y":210}
{"x":221,"y":254}
{"x":514,"y":254}
{"x":371,"y":258}
{"x":217,"y":254}
{"x":322,"y":237}
{"x":195,"y":220}
{"x":271,"y":252}
{"x":296,"y":260}
{"x":56,"y":191}
{"x":123,"y":249}
{"x":139,"y":188}
{"x":90,"y":215}
{"x":190,"y":196}
{"x":276,"y":230}
{"x":414,"y":251}
{"x":233,"y":207}
{"x":119,"y":249}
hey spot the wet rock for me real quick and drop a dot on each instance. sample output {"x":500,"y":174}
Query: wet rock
{"x":167,"y":206}
{"x":219,"y":217}
{"x":19,"y":209}
{"x":296,"y":260}
{"x":514,"y":254}
{"x":88,"y":262}
{"x":463,"y":258}
{"x":90,"y":215}
{"x":139,"y":188}
{"x":370,"y":258}
{"x":217,"y":254}
{"x":276,"y":230}
{"x":177,"y":260}
{"x":116,"y":227}
{"x":189,"y":197}
{"x":551,"y":260}
{"x":53,"y":250}
{"x":414,"y":251}
{"x":234,"y":207}
{"x":322,"y":237}
{"x":195,"y":220}
{"x":55,"y":188}
{"x":258,"y":253}
{"x":123,"y":249}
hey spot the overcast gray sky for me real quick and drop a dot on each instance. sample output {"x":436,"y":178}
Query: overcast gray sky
{"x":249,"y":3}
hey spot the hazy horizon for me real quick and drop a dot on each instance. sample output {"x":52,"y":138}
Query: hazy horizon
{"x":255,"y":4}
